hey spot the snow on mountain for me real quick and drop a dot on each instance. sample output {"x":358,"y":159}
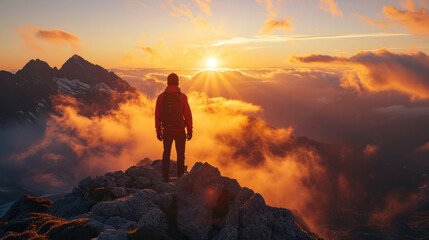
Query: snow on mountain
{"x":29,"y":93}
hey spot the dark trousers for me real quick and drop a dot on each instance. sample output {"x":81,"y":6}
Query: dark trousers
{"x":179,"y":138}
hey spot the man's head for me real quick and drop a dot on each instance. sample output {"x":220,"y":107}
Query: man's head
{"x":173,"y":79}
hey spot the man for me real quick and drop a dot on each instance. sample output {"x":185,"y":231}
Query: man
{"x":172,"y":114}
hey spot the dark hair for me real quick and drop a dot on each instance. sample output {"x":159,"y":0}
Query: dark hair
{"x":173,"y":79}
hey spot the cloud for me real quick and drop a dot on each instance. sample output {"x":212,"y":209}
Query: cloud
{"x":413,"y":18}
{"x":204,"y":5}
{"x":183,"y":10}
{"x":372,"y":21}
{"x":33,"y":37}
{"x":273,"y":7}
{"x":148,"y":50}
{"x":403,"y":111}
{"x":271,"y":25}
{"x":383,"y":70}
{"x":274,"y":38}
{"x":330,"y":6}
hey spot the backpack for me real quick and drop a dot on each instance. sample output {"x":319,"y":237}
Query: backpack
{"x":171,"y":112}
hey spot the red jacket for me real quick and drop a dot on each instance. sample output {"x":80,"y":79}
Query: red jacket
{"x":184,"y":105}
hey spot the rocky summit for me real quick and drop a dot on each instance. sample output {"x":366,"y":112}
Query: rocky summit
{"x":137,"y":204}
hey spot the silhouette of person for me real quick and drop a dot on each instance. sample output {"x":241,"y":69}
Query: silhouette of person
{"x":172,"y":114}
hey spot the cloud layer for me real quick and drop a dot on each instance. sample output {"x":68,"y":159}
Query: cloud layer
{"x":382,"y":70}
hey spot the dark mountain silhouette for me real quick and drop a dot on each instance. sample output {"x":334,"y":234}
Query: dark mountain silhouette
{"x":33,"y":90}
{"x":137,"y":204}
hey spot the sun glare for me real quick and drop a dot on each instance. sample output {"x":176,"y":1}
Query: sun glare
{"x":211,"y":63}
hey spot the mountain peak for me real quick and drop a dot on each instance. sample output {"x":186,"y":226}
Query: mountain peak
{"x":77,"y":67}
{"x":77,"y":63}
{"x":36,"y":64}
{"x":36,"y":71}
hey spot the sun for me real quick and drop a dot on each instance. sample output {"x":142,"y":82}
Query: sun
{"x":211,"y":63}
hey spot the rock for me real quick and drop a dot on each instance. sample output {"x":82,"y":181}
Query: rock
{"x":119,"y":192}
{"x":46,"y":226}
{"x":147,"y":233}
{"x":101,"y":194}
{"x":256,"y":220}
{"x":116,"y":175}
{"x":144,"y":162}
{"x":25,"y":205}
{"x":76,"y":229}
{"x":157,"y":166}
{"x":130,"y":207}
{"x":85,"y":182}
{"x":164,"y":187}
{"x":165,"y":200}
{"x":154,"y":218}
{"x":123,"y":181}
{"x":284,"y":226}
{"x":203,"y":199}
{"x":69,"y":206}
{"x":120,"y":223}
{"x":142,"y":182}
{"x":104,"y":181}
{"x":113,"y":234}
{"x":227,"y":233}
{"x":147,"y":172}
{"x":199,"y":205}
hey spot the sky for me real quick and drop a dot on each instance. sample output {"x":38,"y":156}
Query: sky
{"x":184,"y":34}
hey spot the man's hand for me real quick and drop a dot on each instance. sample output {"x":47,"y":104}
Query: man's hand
{"x":189,"y":136}
{"x":159,"y":136}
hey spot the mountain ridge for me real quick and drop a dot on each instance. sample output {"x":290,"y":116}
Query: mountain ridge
{"x":29,"y":93}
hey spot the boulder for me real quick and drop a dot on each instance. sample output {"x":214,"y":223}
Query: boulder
{"x":147,"y":233}
{"x":157,"y":166}
{"x":120,"y":223}
{"x":284,"y":226}
{"x":144,"y":162}
{"x":203,"y":199}
{"x":119,"y":192}
{"x":136,"y":174}
{"x":130,"y":207}
{"x":113,"y":234}
{"x":154,"y":218}
{"x":256,"y":219}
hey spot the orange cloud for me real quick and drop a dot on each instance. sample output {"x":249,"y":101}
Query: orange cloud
{"x":415,"y":19}
{"x":372,"y":21}
{"x":330,"y":6}
{"x":33,"y":36}
{"x":271,"y":25}
{"x":273,"y":7}
{"x":382,"y":70}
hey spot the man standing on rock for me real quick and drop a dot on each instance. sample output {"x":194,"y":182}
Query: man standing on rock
{"x":172,"y":114}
